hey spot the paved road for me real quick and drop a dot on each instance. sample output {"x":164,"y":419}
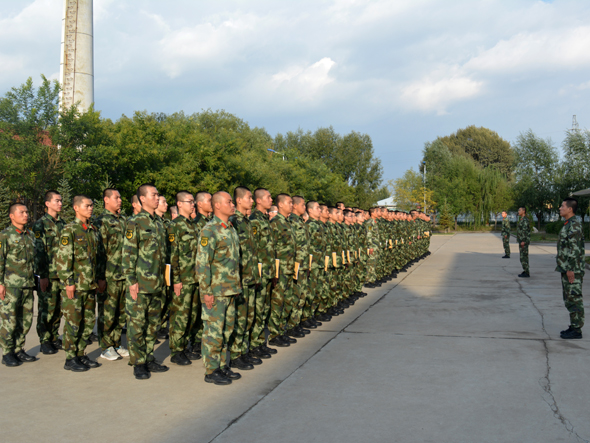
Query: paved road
{"x":456,"y":350}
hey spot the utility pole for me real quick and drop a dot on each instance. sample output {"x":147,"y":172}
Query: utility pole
{"x":575,"y":126}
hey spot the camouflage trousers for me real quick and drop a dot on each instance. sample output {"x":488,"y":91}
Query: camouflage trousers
{"x":143,"y":322}
{"x":524,"y":257}
{"x":111,"y":314}
{"x":281,"y":292}
{"x":572,"y":298}
{"x":166,"y":295}
{"x":316,"y":294}
{"x":196,"y":331}
{"x":371,"y":271}
{"x":335,"y":285}
{"x":303,"y":295}
{"x":261,"y":311}
{"x":245,"y":305}
{"x":79,"y":315}
{"x":16,"y":315}
{"x":183,"y":313}
{"x":218,"y":325}
{"x":49,"y":316}
{"x":323,"y":289}
{"x":506,"y":243}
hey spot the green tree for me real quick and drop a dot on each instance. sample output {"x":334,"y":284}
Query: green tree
{"x":445,"y":217}
{"x":409,"y":192}
{"x":67,"y":195}
{"x":5,"y":201}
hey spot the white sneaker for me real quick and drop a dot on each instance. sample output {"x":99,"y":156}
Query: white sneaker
{"x":122,"y":351}
{"x":110,"y":354}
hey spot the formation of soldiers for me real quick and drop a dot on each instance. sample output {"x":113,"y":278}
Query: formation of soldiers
{"x":221,"y":279}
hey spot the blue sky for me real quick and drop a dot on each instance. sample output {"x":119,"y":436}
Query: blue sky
{"x":403,"y":72}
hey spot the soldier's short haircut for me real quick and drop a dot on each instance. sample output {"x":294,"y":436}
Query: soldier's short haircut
{"x":181,"y":196}
{"x":174,"y":210}
{"x":281,"y":198}
{"x":13,"y":206}
{"x":346,"y":212}
{"x":143,"y":190}
{"x":215,"y":198}
{"x":523,"y":208}
{"x":332,"y":209}
{"x":108,"y":192}
{"x":79,"y":199}
{"x":372,"y":210}
{"x":240,"y":192}
{"x":298,"y":199}
{"x":571,"y":202}
{"x":200,"y":196}
{"x":323,"y":205}
{"x":49,"y":195}
{"x":273,"y":208}
{"x":259,"y":193}
{"x":134,"y":199}
{"x":339,"y":203}
{"x":310,"y":204}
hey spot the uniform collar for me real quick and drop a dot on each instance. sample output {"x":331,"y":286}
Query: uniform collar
{"x":143,"y":211}
{"x":18,"y":231}
{"x":84,"y":225}
{"x":221,"y":222}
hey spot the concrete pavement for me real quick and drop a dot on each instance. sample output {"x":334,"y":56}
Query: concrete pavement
{"x":457,"y":350}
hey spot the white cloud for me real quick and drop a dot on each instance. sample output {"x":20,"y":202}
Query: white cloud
{"x":305,"y":82}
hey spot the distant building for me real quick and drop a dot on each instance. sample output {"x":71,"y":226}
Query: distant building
{"x":388,"y":203}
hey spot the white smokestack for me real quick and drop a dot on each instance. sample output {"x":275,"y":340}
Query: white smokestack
{"x":77,"y":55}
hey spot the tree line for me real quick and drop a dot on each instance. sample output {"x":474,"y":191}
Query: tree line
{"x":475,"y":173}
{"x":43,"y":148}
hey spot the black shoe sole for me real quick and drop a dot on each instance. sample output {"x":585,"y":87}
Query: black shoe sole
{"x":218,"y":382}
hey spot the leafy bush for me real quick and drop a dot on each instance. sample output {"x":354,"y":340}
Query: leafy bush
{"x":554,"y":227}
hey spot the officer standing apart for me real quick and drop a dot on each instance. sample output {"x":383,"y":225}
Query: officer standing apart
{"x":218,"y":271}
{"x":17,"y":255}
{"x":47,"y":234}
{"x":144,"y":254}
{"x":76,"y":269}
{"x":523,"y":237}
{"x":571,"y":264}
{"x":506,"y":234}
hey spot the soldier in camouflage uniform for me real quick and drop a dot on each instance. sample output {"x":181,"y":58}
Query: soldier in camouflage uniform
{"x":166,"y":294}
{"x":571,"y":264}
{"x":249,"y":276}
{"x":283,"y":311}
{"x":47,"y":232}
{"x":202,"y":210}
{"x":265,"y":253}
{"x":316,"y":312}
{"x":218,"y":271}
{"x":506,"y":234}
{"x":17,"y":257}
{"x":144,"y":255}
{"x":302,"y":293}
{"x":185,"y":307}
{"x":372,"y":248}
{"x":111,"y":282}
{"x":76,"y":268}
{"x":523,"y":237}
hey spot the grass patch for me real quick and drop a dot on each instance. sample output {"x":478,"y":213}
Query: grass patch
{"x":543,"y":237}
{"x":587,"y":260}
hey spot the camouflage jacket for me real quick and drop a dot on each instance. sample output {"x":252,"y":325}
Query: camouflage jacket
{"x":248,"y":258}
{"x":76,"y":258}
{"x":164,"y":222}
{"x":200,"y":221}
{"x":523,"y":230}
{"x":372,"y":234}
{"x":506,"y":228}
{"x":265,"y":249}
{"x":144,"y":253}
{"x":111,"y":233}
{"x":17,"y":258}
{"x":47,"y":232}
{"x":300,"y":230}
{"x":218,"y":259}
{"x":183,"y":237}
{"x":284,"y":242}
{"x":570,"y":248}
{"x":317,"y":242}
{"x":335,"y":243}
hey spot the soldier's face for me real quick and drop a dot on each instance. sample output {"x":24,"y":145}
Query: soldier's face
{"x":84,"y":210}
{"x":226,"y":206}
{"x":504,"y":215}
{"x":151,"y":199}
{"x":564,"y":210}
{"x":19,"y":216}
{"x":521,"y":212}
{"x":324,"y":213}
{"x":287,"y":206}
{"x":162,"y":205}
{"x":246,"y":201}
{"x":55,"y":203}
{"x":265,"y":201}
{"x":113,"y":203}
{"x":205,"y":204}
{"x":315,"y":211}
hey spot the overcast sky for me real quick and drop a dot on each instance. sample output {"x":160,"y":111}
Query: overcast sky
{"x":403,"y":72}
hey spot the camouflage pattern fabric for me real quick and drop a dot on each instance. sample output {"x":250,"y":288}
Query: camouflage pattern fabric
{"x":282,"y":298}
{"x":17,"y":258}
{"x":317,"y":249}
{"x":16,"y":315}
{"x":506,"y":236}
{"x":143,"y":321}
{"x":47,"y":232}
{"x":184,"y":309}
{"x":112,"y":317}
{"x":261,"y":312}
{"x":372,"y":243}
{"x":573,"y":300}
{"x":265,"y":250}
{"x":281,"y":295}
{"x":196,"y":331}
{"x":79,"y":321}
{"x":523,"y":234}
{"x":218,"y":325}
{"x":301,"y":289}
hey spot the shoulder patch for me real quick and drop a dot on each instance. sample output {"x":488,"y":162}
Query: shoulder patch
{"x":254,"y":230}
{"x":64,"y":241}
{"x":370,"y":228}
{"x":129,"y":234}
{"x":171,"y":238}
{"x":204,"y":241}
{"x":37,"y":234}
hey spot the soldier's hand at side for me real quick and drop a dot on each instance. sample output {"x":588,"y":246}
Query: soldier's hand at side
{"x":178,"y":288}
{"x":133,"y":290}
{"x":43,"y":283}
{"x":570,"y":276}
{"x":2,"y":292}
{"x":102,"y":286}
{"x":522,"y":244}
{"x":209,"y":299}
{"x":71,"y":291}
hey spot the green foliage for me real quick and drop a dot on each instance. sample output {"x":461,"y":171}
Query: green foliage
{"x":410,"y":193}
{"x":554,"y":227}
{"x":445,"y":217}
{"x":5,"y":201}
{"x":67,"y":195}
{"x":99,"y":202}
